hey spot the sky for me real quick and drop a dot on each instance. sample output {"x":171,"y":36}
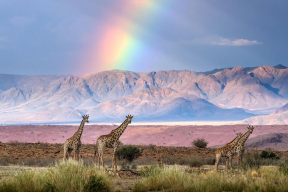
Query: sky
{"x":85,"y":37}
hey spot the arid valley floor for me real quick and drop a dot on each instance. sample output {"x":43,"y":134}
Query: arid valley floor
{"x":26,"y":147}
{"x":264,"y":136}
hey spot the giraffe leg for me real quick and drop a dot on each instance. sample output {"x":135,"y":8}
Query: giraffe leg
{"x":227,"y":165}
{"x":69,"y":153}
{"x":77,"y":154}
{"x":98,"y":157}
{"x":113,"y":162}
{"x":102,"y":161}
{"x":74,"y":154}
{"x":114,"y":166}
{"x":239,"y":161}
{"x":78,"y":150}
{"x":65,"y":153}
{"x":218,"y":156}
{"x":230,"y":162}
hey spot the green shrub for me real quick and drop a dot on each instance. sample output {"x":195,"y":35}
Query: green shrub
{"x":134,"y":166}
{"x":96,"y":184}
{"x":200,"y":143}
{"x":195,"y":162}
{"x":48,"y":187}
{"x":129,"y":153}
{"x":268,"y":154}
{"x":251,"y":160}
{"x":283,"y":168}
{"x":254,"y":159}
{"x":210,"y":161}
{"x":264,"y":154}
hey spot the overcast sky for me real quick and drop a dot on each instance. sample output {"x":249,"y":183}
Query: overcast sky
{"x":66,"y":37}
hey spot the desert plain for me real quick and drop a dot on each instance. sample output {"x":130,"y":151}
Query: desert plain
{"x":263,"y":136}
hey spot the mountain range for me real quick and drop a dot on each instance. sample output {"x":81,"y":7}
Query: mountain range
{"x":222,"y":94}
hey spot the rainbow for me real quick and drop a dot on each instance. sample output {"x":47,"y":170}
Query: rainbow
{"x":121,"y":41}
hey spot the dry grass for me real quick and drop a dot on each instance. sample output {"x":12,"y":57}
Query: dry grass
{"x":176,"y":179}
{"x":65,"y":176}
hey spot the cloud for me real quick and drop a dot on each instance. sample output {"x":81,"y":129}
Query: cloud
{"x":236,"y":42}
{"x":215,"y":40}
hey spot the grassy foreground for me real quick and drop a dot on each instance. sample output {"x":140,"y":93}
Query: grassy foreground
{"x":175,"y":179}
{"x":76,"y":176}
{"x":65,"y":176}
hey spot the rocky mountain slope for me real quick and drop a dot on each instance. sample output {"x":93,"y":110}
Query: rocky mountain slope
{"x":278,"y":117}
{"x":222,"y":94}
{"x":277,"y":141}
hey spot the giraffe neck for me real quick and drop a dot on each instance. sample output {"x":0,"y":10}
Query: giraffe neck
{"x":119,"y":131}
{"x":233,"y":142}
{"x":80,"y":130}
{"x":244,"y":138}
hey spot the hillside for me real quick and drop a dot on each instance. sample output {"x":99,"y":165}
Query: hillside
{"x":222,"y":94}
{"x":278,"y":117}
{"x":278,"y":141}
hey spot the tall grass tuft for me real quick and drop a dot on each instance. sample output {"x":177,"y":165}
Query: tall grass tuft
{"x":65,"y":176}
{"x":175,"y":179}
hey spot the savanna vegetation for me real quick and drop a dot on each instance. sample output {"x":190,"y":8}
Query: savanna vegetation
{"x":193,"y":171}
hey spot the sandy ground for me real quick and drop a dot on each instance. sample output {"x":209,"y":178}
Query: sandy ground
{"x":161,"y":135}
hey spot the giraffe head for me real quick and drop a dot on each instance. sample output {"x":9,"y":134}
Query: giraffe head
{"x":250,"y":128}
{"x":129,"y":118}
{"x":239,"y":135}
{"x":85,"y":118}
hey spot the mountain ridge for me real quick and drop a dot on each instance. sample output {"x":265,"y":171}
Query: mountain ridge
{"x":225,"y":94}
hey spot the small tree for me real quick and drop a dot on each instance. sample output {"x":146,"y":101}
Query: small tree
{"x":200,"y":143}
{"x":268,"y":154}
{"x":129,"y":153}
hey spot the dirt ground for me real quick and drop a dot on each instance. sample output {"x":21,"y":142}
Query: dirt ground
{"x":160,"y":135}
{"x":21,"y":152}
{"x":24,"y":151}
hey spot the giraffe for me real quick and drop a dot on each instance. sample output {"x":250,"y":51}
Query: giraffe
{"x":74,"y":142}
{"x":111,"y":141}
{"x":239,"y":147}
{"x":226,"y":151}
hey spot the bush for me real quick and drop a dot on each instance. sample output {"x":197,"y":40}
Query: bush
{"x":254,"y":159}
{"x":48,"y":187}
{"x":283,"y":168}
{"x":200,"y":143}
{"x":251,"y":160}
{"x":195,"y":162}
{"x":65,"y":176}
{"x":96,"y":184}
{"x":172,"y":161}
{"x":268,"y":154}
{"x":129,"y":153}
{"x":134,"y":166}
